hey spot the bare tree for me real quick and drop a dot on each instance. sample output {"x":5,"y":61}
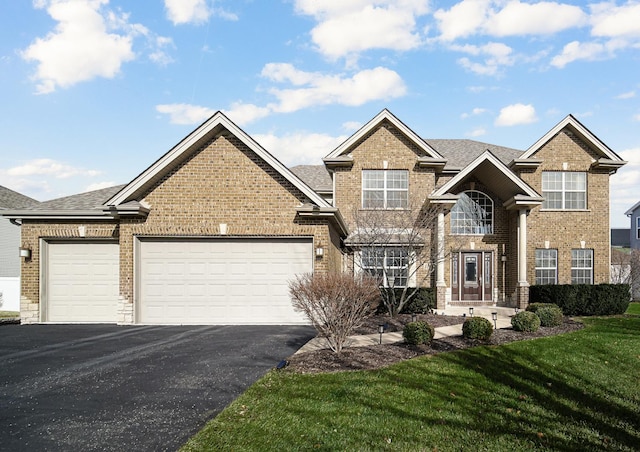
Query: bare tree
{"x":397,"y":248}
{"x":335,"y":303}
{"x":634,"y":282}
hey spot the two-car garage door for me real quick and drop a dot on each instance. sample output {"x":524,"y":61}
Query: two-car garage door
{"x":220,"y":281}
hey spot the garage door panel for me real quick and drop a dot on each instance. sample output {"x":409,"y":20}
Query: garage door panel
{"x":82,"y":282}
{"x":234,"y":281}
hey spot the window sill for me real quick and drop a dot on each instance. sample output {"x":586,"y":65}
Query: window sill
{"x":565,"y":210}
{"x":379,"y":209}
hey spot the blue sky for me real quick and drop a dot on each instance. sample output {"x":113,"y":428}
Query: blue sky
{"x":94,"y":91}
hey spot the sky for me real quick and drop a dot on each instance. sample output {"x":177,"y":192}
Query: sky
{"x":92,"y":92}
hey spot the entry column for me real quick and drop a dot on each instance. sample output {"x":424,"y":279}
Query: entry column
{"x":523,"y":284}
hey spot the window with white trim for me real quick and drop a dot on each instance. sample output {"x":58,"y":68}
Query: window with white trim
{"x":385,"y":189}
{"x":581,"y":266}
{"x":564,"y":190}
{"x":546,"y":266}
{"x":638,"y":228}
{"x":472,"y":214}
{"x":390,"y":265}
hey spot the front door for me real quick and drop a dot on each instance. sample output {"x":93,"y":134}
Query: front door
{"x":471,"y":276}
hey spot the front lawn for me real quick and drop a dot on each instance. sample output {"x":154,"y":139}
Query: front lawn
{"x":634,"y":308}
{"x":578,"y":391}
{"x":9,"y":314}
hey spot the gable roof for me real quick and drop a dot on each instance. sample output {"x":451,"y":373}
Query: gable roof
{"x":384,"y":115}
{"x":585,"y":134}
{"x":10,"y":199}
{"x":499,"y":179}
{"x":633,"y":209}
{"x":214,"y":126}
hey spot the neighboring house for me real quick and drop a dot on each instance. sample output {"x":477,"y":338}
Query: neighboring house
{"x":634,"y":233}
{"x":213,"y":231}
{"x":9,"y":249}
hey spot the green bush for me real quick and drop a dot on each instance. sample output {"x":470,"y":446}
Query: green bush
{"x":420,"y":303}
{"x":418,"y":333}
{"x":549,"y":315}
{"x":477,"y":328}
{"x":584,"y":299}
{"x":525,"y":321}
{"x":533,"y":307}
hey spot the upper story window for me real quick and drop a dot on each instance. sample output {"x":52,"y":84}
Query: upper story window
{"x":472,"y":214}
{"x":564,"y":190}
{"x":385,"y":189}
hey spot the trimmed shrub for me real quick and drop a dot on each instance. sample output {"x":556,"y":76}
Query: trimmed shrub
{"x":584,"y":299}
{"x":550,"y":315}
{"x":418,"y":333}
{"x":533,"y":307}
{"x":477,"y":328}
{"x":525,"y":321}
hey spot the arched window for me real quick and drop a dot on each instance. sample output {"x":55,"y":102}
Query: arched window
{"x":472,"y":214}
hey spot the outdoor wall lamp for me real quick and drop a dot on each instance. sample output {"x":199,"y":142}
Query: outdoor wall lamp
{"x":25,"y":252}
{"x":380,"y":331}
{"x":494,"y":315}
{"x":319,"y":251}
{"x":471,"y":312}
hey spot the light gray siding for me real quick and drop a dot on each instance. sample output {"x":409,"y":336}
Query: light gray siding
{"x":9,"y":244}
{"x":634,"y":236}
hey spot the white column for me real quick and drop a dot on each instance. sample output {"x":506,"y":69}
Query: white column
{"x":522,"y":247}
{"x":440,"y":272}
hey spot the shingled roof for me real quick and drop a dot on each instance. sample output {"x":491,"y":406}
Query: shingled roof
{"x":315,"y":176}
{"x":83,"y":201}
{"x":459,"y":153}
{"x":10,"y":199}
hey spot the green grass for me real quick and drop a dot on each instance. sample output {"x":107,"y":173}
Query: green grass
{"x":9,"y":314}
{"x":634,"y":308}
{"x":577,"y":391}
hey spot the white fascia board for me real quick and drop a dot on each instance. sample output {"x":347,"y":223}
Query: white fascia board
{"x":186,"y":145}
{"x":577,"y":126}
{"x":485,"y":156}
{"x":56,"y":215}
{"x":384,"y":114}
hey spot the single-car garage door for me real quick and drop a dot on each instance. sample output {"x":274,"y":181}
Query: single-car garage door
{"x":82,"y":282}
{"x":220,"y":281}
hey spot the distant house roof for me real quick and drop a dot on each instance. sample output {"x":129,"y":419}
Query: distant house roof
{"x":315,"y":176}
{"x":461,"y":152}
{"x":633,"y":209}
{"x":10,"y":199}
{"x":82,"y":201}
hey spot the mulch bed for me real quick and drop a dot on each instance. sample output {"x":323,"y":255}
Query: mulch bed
{"x":377,"y":356}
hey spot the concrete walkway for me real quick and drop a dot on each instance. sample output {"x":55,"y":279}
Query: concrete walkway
{"x":503,"y":321}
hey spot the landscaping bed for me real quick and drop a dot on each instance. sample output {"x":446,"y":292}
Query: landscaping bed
{"x":377,"y":356}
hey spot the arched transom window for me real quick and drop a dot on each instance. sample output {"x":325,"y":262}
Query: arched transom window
{"x":472,"y":214}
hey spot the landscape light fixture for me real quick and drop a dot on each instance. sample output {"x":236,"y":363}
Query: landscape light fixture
{"x":517,"y":309}
{"x":414,"y":317}
{"x":495,"y":320}
{"x":471,"y":312}
{"x":380,"y":330}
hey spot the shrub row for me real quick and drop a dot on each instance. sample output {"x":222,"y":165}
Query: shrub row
{"x":584,"y":299}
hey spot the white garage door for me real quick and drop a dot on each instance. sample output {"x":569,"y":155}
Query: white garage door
{"x":82,"y":282}
{"x":220,"y":281}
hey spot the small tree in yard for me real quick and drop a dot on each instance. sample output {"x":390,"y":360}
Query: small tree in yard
{"x":395,"y":247}
{"x":335,"y":303}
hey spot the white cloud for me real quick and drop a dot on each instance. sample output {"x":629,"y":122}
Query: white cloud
{"x":588,"y":51}
{"x":350,"y":27}
{"x":351,"y":126}
{"x":516,"y":114}
{"x":299,"y":148}
{"x":496,"y":55}
{"x":475,"y":112}
{"x":511,"y":18}
{"x":611,"y":21}
{"x":88,"y":41}
{"x":49,"y":167}
{"x":187,"y":11}
{"x":478,"y":132}
{"x":312,"y":89}
{"x":627,"y":95}
{"x":242,"y":113}
{"x":625,"y":185}
{"x":185,"y":113}
{"x":100,"y":185}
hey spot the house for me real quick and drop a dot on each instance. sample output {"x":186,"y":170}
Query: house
{"x":620,"y":237}
{"x":634,"y":233}
{"x":9,"y":253}
{"x":213,"y":230}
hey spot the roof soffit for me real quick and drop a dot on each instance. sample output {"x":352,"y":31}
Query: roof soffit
{"x":339,"y":153}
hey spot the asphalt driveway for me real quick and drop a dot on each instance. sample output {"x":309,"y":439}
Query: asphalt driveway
{"x":105,"y":387}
